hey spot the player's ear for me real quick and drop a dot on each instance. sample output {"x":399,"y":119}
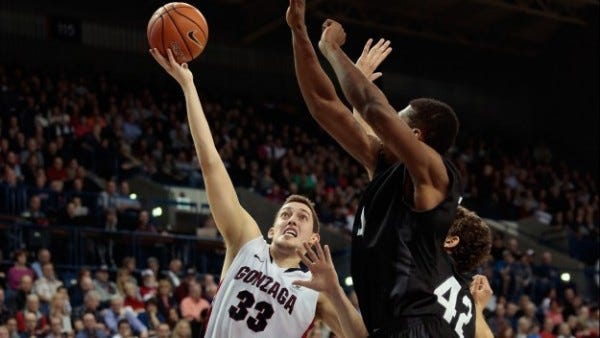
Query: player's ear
{"x":271,"y":233}
{"x":451,"y":242}
{"x":417,"y":133}
{"x":314,"y":238}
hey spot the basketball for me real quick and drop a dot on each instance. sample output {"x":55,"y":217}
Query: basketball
{"x":178,"y":26}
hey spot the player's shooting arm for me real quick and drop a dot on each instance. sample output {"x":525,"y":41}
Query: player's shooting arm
{"x":374,"y":107}
{"x":321,"y":98}
{"x":233,"y":222}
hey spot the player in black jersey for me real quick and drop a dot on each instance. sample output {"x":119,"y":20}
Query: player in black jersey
{"x":465,"y":255}
{"x":407,"y":284}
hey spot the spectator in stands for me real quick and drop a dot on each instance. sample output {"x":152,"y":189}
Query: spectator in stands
{"x":109,"y":197}
{"x":554,"y":313}
{"x":154,"y":266}
{"x":163,"y":331}
{"x":18,"y":299}
{"x":4,"y":332}
{"x":106,"y":244}
{"x":151,"y":318}
{"x":132,"y":298}
{"x":90,"y":328}
{"x":19,"y":269}
{"x":91,"y":305}
{"x":173,"y":274}
{"x":149,"y":285}
{"x":192,"y":306}
{"x":32,"y":326}
{"x":144,"y":223}
{"x":12,"y":162}
{"x":129,"y":165}
{"x":34,"y":213}
{"x":103,"y":285}
{"x":78,"y":291}
{"x":164,"y":297}
{"x":29,"y":169}
{"x":129,"y":264}
{"x":124,"y":330}
{"x":548,"y":329}
{"x":11,"y":325}
{"x":43,"y":256}
{"x":57,"y":171}
{"x":46,"y":286}
{"x":57,"y":310}
{"x":547,"y":275}
{"x":209,"y":287}
{"x":32,"y":307}
{"x":182,"y":330}
{"x":125,"y":202}
{"x":183,"y":289}
{"x":117,"y":313}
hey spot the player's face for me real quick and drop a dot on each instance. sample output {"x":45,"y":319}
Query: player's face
{"x":293,"y":225}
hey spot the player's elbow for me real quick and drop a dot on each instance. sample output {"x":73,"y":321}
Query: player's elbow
{"x":373,"y":113}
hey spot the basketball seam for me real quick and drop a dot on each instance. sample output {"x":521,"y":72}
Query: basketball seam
{"x":195,"y":23}
{"x":162,"y":34}
{"x":181,"y":35}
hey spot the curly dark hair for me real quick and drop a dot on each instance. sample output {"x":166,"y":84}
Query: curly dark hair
{"x":475,"y":240}
{"x":437,"y":121}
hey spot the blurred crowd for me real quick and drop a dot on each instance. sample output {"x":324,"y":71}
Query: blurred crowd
{"x":127,"y":301}
{"x":69,"y":146}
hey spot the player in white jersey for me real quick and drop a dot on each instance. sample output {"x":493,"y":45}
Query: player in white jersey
{"x":256,"y":297}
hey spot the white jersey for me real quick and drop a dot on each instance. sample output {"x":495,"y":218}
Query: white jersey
{"x":257,"y":299}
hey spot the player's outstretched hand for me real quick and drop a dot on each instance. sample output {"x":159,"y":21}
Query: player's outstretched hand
{"x":481,"y":290}
{"x":180,"y":72}
{"x":324,"y":278}
{"x":372,"y":57}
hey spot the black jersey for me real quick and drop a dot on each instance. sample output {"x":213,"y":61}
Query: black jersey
{"x":402,"y":274}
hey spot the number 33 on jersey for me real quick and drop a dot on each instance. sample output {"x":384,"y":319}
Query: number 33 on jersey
{"x":257,"y":299}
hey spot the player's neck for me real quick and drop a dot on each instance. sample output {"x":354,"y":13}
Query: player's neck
{"x":284,"y":257}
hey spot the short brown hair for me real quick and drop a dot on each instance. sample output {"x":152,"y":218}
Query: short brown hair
{"x":475,"y":240}
{"x":436,"y":120}
{"x":306,"y":201}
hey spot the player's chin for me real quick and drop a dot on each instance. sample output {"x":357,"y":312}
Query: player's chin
{"x":289,"y":240}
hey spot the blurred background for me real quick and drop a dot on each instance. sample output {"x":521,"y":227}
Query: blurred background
{"x":97,"y":168}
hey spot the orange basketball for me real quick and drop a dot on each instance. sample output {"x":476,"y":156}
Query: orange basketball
{"x":178,"y":26}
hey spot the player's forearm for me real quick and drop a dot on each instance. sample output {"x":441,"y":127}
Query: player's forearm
{"x":315,"y":86}
{"x":482,"y":330}
{"x":203,"y":141}
{"x":350,"y":319}
{"x":362,"y":94}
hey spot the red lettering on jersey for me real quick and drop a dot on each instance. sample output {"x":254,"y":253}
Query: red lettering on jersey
{"x":263,"y":287}
{"x":289,"y":305}
{"x":250,"y":276}
{"x":259,"y":279}
{"x":274,"y":289}
{"x":243,"y":271}
{"x":282,"y":296}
